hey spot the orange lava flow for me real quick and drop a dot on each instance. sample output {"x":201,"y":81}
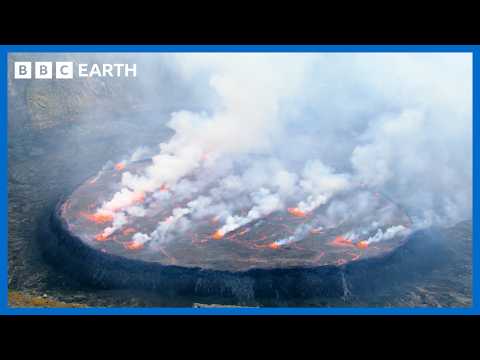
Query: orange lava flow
{"x":274,"y":246}
{"x":119,"y":166}
{"x":133,"y":245}
{"x":296,"y":212}
{"x":101,"y":237}
{"x":341,"y":241}
{"x":363,"y":244}
{"x":98,"y":218}
{"x":129,"y":231}
{"x":218,"y":235}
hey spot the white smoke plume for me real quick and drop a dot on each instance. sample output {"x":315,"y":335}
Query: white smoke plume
{"x":297,"y":129}
{"x":321,"y":183}
{"x":264,"y":203}
{"x":388,"y":234}
{"x":299,"y":233}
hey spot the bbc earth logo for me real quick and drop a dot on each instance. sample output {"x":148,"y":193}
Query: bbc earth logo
{"x":70,"y":70}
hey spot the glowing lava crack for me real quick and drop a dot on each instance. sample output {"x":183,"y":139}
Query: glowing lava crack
{"x":288,"y":238}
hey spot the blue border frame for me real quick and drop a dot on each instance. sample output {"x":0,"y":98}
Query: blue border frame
{"x":4,"y":50}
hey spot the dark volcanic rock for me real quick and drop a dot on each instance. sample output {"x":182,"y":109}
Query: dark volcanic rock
{"x":393,"y":277}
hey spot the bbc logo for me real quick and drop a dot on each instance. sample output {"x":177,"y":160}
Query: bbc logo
{"x":43,"y":70}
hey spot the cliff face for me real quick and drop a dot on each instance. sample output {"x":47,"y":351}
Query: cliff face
{"x":49,"y":103}
{"x":59,"y":132}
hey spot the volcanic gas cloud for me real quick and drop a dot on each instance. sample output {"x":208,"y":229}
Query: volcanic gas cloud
{"x":317,"y":154}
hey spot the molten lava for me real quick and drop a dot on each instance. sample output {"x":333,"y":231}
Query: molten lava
{"x":363,"y":244}
{"x":341,"y":241}
{"x":129,"y":231}
{"x":274,"y":246}
{"x":120,"y":166}
{"x":296,"y":212}
{"x":101,"y":237}
{"x":106,"y":214}
{"x":133,"y":245}
{"x":98,"y":218}
{"x":218,"y":235}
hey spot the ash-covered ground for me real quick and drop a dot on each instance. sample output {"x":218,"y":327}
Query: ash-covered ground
{"x":50,"y":157}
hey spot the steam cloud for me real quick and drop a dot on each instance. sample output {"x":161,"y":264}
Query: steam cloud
{"x":294,"y":130}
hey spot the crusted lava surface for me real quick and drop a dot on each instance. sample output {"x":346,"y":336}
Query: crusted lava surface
{"x":256,"y":245}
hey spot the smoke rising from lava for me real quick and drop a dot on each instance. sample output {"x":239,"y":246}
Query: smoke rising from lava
{"x":294,"y":130}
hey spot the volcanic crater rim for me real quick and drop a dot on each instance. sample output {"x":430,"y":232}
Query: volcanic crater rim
{"x":246,"y":248}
